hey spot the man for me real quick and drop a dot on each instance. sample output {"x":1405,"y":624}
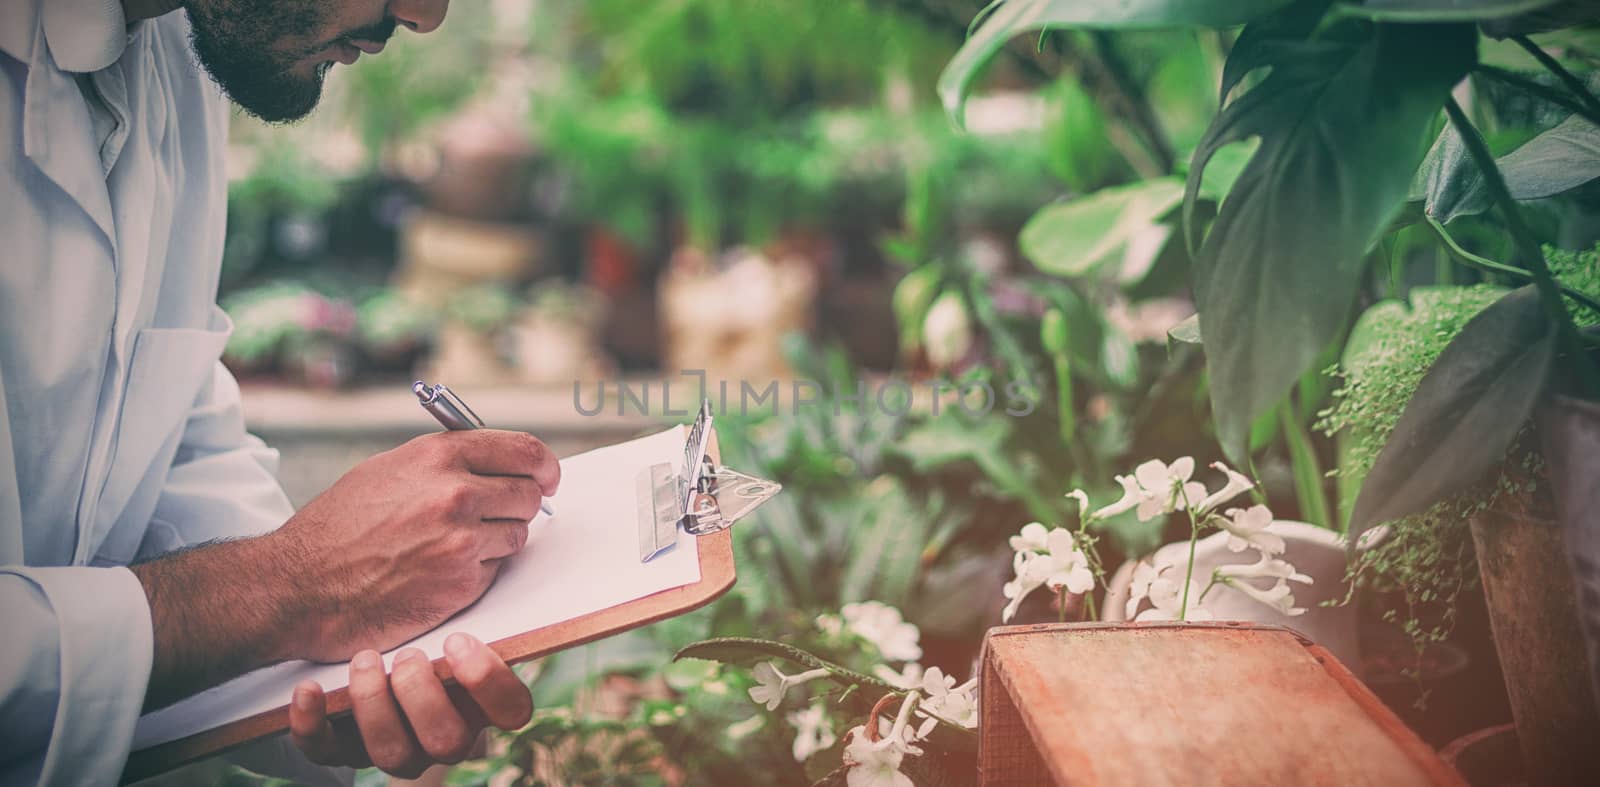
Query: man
{"x":121,"y":442}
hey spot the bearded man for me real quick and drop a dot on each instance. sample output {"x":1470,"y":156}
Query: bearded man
{"x":146,"y":549}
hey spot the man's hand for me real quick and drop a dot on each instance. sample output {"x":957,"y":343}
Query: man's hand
{"x":401,"y":542}
{"x":408,"y":720}
{"x":411,"y":536}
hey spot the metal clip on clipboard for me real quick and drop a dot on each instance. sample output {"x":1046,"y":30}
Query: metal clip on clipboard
{"x":701,"y":496}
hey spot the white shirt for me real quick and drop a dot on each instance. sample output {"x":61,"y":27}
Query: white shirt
{"x":120,"y":432}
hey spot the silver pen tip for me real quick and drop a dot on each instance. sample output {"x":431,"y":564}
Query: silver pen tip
{"x":420,"y":388}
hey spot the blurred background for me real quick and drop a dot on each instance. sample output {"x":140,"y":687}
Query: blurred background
{"x":546,"y":194}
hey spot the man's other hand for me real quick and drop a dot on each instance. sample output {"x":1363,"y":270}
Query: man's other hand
{"x":407,"y":720}
{"x":410,"y":537}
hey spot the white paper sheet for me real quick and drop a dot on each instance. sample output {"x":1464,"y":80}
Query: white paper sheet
{"x":583,"y":560}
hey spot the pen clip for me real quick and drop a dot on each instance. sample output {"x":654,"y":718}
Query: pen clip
{"x":450,"y":397}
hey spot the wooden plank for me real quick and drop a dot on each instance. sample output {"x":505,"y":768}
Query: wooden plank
{"x":1190,"y":704}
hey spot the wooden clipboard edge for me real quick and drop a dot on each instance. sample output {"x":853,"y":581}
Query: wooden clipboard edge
{"x":717,"y":576}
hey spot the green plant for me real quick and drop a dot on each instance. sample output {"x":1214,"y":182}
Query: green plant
{"x":1351,"y":93}
{"x":485,"y":308}
{"x":389,"y":322}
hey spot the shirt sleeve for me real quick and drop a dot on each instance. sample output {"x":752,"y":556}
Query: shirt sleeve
{"x":74,"y":665}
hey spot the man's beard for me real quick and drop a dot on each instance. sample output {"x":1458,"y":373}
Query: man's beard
{"x":237,"y":42}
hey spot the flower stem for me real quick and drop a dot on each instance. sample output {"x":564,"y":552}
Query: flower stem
{"x":1483,"y":263}
{"x":1194,"y":537}
{"x":1061,"y":604}
{"x":1588,"y":379}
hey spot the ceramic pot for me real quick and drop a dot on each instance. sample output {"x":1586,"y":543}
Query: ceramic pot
{"x":1315,"y":551}
{"x":1533,"y":613}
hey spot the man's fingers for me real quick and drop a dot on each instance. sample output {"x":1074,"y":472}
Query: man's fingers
{"x":507,"y":497}
{"x":309,"y":727}
{"x":491,"y":684}
{"x":496,"y":452}
{"x":502,"y":539}
{"x":383,"y":731}
{"x":438,"y":727}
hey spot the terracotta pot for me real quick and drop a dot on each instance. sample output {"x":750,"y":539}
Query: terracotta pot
{"x":1569,"y":432}
{"x":1487,"y":758}
{"x":1533,"y":613}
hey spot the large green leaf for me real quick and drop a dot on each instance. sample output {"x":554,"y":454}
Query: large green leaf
{"x":1074,"y":238}
{"x":1441,"y":10}
{"x":1562,"y":158}
{"x":1261,"y":40}
{"x":1015,"y":17}
{"x":1342,"y":129}
{"x":1468,"y":408}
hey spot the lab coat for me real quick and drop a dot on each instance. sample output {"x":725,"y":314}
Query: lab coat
{"x":120,"y":432}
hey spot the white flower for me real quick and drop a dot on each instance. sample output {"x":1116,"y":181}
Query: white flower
{"x":1266,"y":566}
{"x":877,"y":763}
{"x":1083,"y":503}
{"x":832,"y":625}
{"x":771,"y":684}
{"x":1071,"y":566}
{"x":1248,"y":528}
{"x":1033,"y":538}
{"x":882,"y":625}
{"x":1238,"y":484}
{"x":740,"y":730}
{"x":1157,"y":488}
{"x":907,"y":678}
{"x":1164,"y":589}
{"x":813,"y":733}
{"x":1062,"y":564}
{"x":1279,"y":597}
{"x":946,"y":331}
{"x":946,"y":700}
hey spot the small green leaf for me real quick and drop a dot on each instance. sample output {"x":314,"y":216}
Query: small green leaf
{"x":1468,"y":408}
{"x":1187,"y":332}
{"x":1341,"y":127}
{"x":1015,"y":17}
{"x":1440,"y":10}
{"x":1074,"y":238}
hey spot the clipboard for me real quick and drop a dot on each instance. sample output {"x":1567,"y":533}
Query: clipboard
{"x":696,"y":485}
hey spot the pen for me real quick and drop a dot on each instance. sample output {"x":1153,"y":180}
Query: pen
{"x":453,"y":414}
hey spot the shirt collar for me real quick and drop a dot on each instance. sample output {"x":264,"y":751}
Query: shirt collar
{"x":83,"y":35}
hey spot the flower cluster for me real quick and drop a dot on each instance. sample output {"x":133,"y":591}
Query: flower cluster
{"x":1156,"y":488}
{"x":928,"y":698}
{"x":1055,"y":558}
{"x":1045,"y":558}
{"x":883,"y":626}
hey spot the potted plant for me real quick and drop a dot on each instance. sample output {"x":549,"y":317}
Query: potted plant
{"x":293,"y":330}
{"x":1353,"y":91}
{"x":471,"y":347}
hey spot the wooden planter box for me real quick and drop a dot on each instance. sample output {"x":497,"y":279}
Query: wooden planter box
{"x":1185,"y":704}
